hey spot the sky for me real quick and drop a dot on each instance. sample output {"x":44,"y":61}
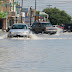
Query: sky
{"x":65,"y":5}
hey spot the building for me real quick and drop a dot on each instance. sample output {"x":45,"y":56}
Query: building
{"x":43,"y":17}
{"x":7,"y":6}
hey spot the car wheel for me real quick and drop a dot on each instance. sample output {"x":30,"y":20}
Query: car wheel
{"x":10,"y":36}
{"x":50,"y":33}
{"x":42,"y":32}
{"x":36,"y":32}
{"x":69,"y":30}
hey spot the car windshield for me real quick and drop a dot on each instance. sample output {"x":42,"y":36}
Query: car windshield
{"x":61,"y":25}
{"x":19,"y":27}
{"x":47,"y":24}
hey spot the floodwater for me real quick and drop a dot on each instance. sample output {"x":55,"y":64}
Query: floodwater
{"x":40,"y":53}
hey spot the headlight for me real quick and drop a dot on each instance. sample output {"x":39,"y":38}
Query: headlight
{"x":11,"y":32}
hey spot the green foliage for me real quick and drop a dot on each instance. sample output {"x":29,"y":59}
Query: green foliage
{"x":37,"y":12}
{"x":3,"y":15}
{"x":71,"y":21}
{"x":56,"y":16}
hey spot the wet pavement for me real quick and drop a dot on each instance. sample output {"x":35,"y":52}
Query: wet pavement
{"x":3,"y":34}
{"x":40,"y":53}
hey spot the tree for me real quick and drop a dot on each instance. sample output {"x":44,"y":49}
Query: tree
{"x":37,"y":12}
{"x":3,"y":15}
{"x":57,"y":16}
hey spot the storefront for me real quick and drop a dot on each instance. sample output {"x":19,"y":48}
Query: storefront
{"x":3,"y":23}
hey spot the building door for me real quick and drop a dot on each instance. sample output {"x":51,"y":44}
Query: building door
{"x":1,"y":23}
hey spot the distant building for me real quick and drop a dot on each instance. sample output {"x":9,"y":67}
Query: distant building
{"x":7,"y":6}
{"x":43,"y":17}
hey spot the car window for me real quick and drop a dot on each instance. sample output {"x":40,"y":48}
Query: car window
{"x":19,"y":27}
{"x":61,"y":25}
{"x":36,"y":25}
{"x":47,"y":24}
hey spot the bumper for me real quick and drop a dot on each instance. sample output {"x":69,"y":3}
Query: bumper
{"x":18,"y":35}
{"x":51,"y":31}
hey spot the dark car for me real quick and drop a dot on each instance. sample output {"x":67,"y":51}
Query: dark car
{"x":68,"y":27}
{"x":43,"y":27}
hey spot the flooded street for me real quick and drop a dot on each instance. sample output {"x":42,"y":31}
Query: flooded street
{"x":41,"y":53}
{"x":35,"y":35}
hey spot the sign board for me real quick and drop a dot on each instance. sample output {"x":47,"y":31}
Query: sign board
{"x":18,"y":7}
{"x":27,"y":20}
{"x":23,"y":14}
{"x":25,"y":10}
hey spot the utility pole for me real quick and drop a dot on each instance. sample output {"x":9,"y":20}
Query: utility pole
{"x":22,"y":3}
{"x":13,"y":5}
{"x":10,"y":6}
{"x":16,"y":20}
{"x":35,"y":10}
{"x":21,"y":11}
{"x":30,"y":15}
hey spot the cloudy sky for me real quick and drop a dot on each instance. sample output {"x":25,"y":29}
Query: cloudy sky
{"x":41,"y":4}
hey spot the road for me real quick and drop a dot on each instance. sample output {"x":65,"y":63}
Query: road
{"x":40,"y":53}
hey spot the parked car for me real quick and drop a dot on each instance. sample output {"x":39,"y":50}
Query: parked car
{"x":59,"y":26}
{"x":43,"y":27}
{"x":68,"y":27}
{"x":55,"y":25}
{"x":19,"y":29}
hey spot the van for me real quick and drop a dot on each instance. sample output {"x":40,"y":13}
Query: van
{"x":68,"y":27}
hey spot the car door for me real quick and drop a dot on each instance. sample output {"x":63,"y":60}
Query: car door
{"x":39,"y":27}
{"x":35,"y":27}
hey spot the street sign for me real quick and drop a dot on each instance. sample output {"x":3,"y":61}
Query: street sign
{"x":25,"y":10}
{"x":18,"y":7}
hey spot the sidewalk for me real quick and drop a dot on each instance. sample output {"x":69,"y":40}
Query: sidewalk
{"x":2,"y":33}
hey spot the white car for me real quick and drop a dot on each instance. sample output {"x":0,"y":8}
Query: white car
{"x":19,"y":29}
{"x":55,"y":25}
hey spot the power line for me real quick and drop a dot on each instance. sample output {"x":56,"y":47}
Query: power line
{"x":49,"y":6}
